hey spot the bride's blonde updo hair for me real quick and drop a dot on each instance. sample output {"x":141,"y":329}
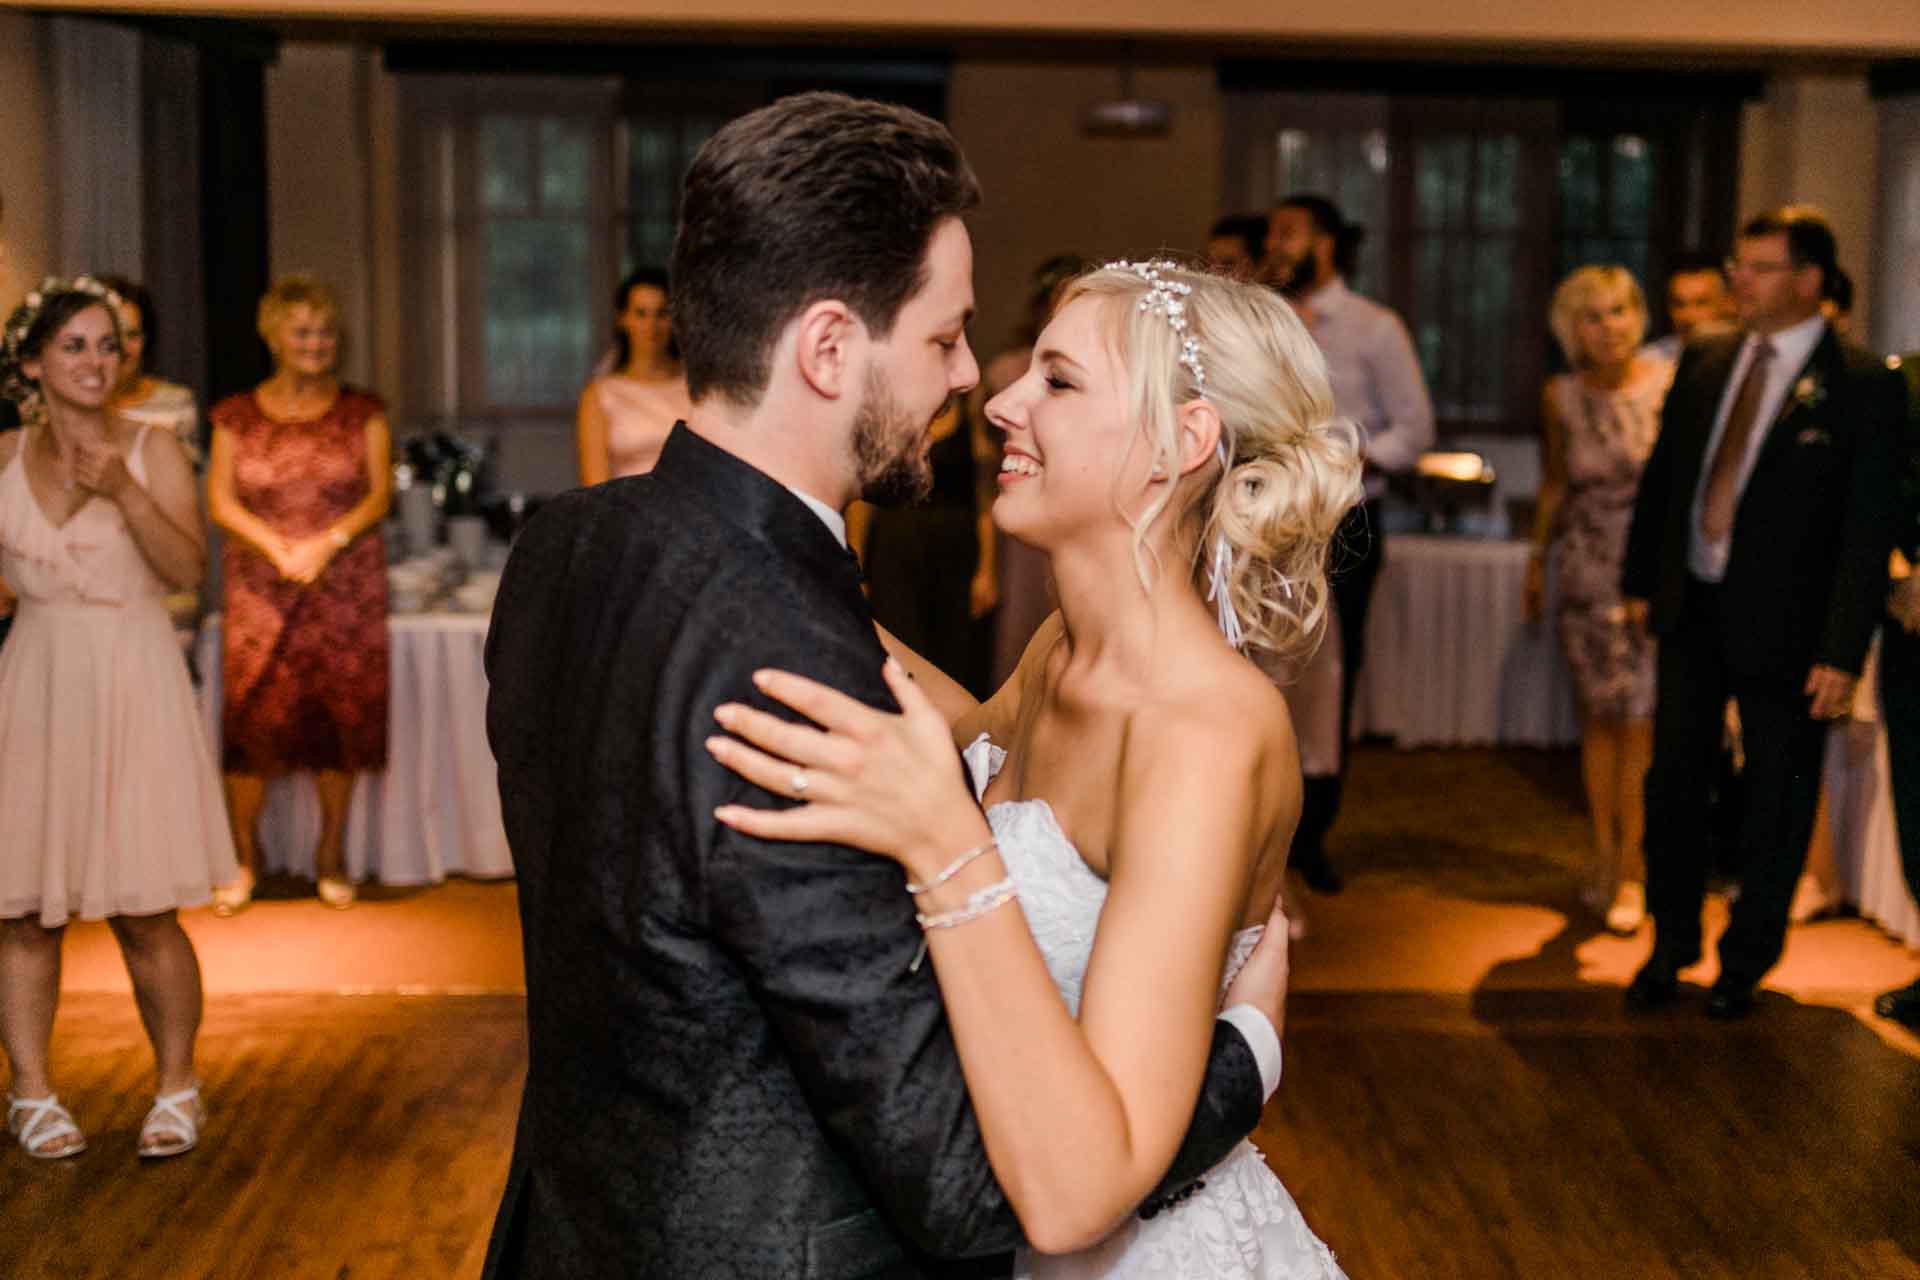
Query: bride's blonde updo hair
{"x":1293,"y":470}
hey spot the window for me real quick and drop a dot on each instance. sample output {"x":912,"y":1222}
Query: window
{"x":658,"y":147}
{"x":1478,"y":197}
{"x":1464,"y":241}
{"x":1606,"y":194}
{"x":533,"y":198}
{"x":526,"y":195}
{"x":505,"y":207}
{"x":534,"y":257}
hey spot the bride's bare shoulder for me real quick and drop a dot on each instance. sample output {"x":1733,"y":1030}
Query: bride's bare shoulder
{"x":1222,"y":713}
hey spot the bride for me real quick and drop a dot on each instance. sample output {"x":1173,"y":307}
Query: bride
{"x":1172,"y":450}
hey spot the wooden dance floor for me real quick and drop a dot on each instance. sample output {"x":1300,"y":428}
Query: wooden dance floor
{"x":1463,"y":1097}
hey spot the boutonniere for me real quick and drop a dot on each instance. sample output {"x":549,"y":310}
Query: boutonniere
{"x":1813,"y":435}
{"x":1808,"y":392}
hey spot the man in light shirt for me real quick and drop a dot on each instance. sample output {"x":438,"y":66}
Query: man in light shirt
{"x":1758,"y":556}
{"x":1311,"y":251}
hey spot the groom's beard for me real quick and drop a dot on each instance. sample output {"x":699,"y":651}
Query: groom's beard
{"x":889,"y":449}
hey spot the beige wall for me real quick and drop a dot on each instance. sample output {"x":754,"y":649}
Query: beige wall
{"x":1816,"y":139}
{"x":1780,"y":26}
{"x":1897,"y":318}
{"x":319,"y":183}
{"x":26,"y":125}
{"x":1050,"y":189}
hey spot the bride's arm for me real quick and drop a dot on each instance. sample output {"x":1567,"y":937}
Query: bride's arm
{"x":1080,"y":1119}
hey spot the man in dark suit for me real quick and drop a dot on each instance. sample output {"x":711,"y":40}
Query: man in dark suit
{"x":734,"y":1068}
{"x":1900,"y":681}
{"x":1758,"y":555}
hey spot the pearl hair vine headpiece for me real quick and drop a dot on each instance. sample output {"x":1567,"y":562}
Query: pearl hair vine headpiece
{"x":1167,"y":299}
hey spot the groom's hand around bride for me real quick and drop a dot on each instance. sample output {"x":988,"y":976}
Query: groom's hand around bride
{"x":889,"y":784}
{"x":1262,"y":981}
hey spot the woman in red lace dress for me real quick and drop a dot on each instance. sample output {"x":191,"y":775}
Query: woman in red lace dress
{"x":299,"y":480}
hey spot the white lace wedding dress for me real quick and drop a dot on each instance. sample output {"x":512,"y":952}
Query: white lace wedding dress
{"x":1241,"y":1222}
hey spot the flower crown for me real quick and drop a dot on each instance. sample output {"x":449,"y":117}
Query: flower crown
{"x":14,"y":383}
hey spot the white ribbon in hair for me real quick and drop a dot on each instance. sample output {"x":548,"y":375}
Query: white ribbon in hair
{"x":1218,"y":593}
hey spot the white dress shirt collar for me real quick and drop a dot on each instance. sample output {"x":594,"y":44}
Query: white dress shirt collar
{"x":1792,"y":346}
{"x":835,"y":522}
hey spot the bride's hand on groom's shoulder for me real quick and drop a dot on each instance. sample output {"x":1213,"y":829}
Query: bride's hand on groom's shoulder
{"x":884,"y":782}
{"x":1262,"y":981}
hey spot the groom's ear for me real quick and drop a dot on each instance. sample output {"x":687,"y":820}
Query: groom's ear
{"x":826,"y":338}
{"x":1197,"y":431}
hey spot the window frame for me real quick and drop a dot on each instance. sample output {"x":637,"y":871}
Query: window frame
{"x":1693,"y":120}
{"x":444,"y":220}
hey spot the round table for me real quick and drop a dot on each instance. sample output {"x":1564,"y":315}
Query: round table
{"x":435,"y":811}
{"x":1451,"y":659}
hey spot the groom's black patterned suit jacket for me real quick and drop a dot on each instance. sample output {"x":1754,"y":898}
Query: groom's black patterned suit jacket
{"x":731,"y":1071}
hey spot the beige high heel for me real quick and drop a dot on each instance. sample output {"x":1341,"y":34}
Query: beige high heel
{"x":231,"y":899}
{"x":337,"y":892}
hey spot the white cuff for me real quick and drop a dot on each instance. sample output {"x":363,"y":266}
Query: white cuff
{"x":1262,"y":1039}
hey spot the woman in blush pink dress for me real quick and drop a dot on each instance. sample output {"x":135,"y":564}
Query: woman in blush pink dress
{"x":112,"y":805}
{"x":625,"y":415}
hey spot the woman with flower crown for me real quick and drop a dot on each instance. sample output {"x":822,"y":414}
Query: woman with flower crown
{"x":112,"y":805}
{"x":1172,"y":449}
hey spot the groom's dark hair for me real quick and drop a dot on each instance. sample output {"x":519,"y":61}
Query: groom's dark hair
{"x":818,"y":196}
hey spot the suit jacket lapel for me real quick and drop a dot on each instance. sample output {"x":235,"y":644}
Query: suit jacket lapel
{"x":761,"y":509}
{"x":1823,"y":366}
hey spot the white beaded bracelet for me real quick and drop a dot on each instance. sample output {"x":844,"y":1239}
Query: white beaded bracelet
{"x":979,"y":903}
{"x":954,"y":868}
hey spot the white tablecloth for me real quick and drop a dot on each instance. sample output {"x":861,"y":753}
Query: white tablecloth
{"x":1866,"y":845}
{"x":435,"y":812}
{"x":1450,"y":657}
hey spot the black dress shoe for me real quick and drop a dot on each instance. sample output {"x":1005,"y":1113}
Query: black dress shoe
{"x":1729,"y":1000}
{"x":1318,"y":871}
{"x":1901,"y":1005}
{"x":1655,"y":985}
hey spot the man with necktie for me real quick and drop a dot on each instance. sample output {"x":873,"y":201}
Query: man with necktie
{"x":1758,"y":556}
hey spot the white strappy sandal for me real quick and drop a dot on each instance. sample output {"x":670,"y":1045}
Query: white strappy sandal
{"x":172,"y":1126}
{"x":46,"y":1123}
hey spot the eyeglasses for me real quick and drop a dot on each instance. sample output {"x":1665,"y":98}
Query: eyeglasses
{"x":1735,"y":267}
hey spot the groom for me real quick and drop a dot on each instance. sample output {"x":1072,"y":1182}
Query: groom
{"x":733,"y":1071}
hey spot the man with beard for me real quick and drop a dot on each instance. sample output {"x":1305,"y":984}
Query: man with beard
{"x":1311,"y":251}
{"x":735,"y":1066}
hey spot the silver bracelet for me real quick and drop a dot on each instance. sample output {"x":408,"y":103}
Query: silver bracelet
{"x":979,"y":903}
{"x":954,"y":868}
